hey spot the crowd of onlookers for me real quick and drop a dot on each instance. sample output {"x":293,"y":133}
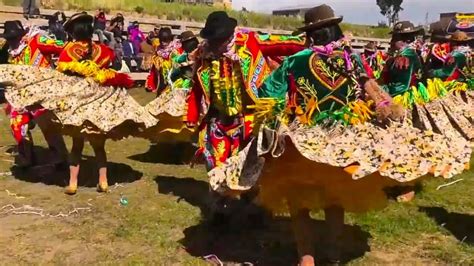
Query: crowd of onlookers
{"x":132,"y":47}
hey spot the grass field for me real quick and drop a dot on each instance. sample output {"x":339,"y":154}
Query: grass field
{"x":199,"y":13}
{"x":162,"y":223}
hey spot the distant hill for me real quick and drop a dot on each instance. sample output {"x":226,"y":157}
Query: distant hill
{"x":189,"y":12}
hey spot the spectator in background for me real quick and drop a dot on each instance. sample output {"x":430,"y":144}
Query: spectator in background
{"x":100,"y":22}
{"x":55,"y":26}
{"x":131,"y":54}
{"x":118,"y":51}
{"x":30,"y":9}
{"x":117,"y":25}
{"x":136,"y":35}
{"x":148,"y":50}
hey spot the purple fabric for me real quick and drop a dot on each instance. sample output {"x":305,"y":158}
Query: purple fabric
{"x":137,"y":37}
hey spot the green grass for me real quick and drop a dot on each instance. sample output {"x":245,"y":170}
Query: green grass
{"x":162,"y":224}
{"x":199,"y":13}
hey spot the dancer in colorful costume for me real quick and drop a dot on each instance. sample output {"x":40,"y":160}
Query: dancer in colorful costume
{"x":34,"y":48}
{"x":429,"y":87}
{"x":451,"y":60}
{"x":230,"y":65}
{"x":331,"y":139}
{"x":373,"y":60}
{"x":168,"y":48}
{"x":181,"y":73}
{"x":82,"y":57}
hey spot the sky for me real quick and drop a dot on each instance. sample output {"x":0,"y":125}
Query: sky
{"x":366,"y":11}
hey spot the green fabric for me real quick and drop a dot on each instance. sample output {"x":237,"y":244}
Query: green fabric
{"x":447,"y":70}
{"x":401,"y":79}
{"x":277,"y":86}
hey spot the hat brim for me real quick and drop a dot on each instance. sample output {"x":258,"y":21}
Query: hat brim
{"x":86,"y":18}
{"x":321,"y":24}
{"x":439,"y":37}
{"x":450,"y":38}
{"x":189,"y":38}
{"x":414,"y":30}
{"x":226,"y":29}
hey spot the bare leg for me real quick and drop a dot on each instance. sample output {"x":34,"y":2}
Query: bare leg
{"x":304,"y":236}
{"x":98,"y":144}
{"x":335,"y":223}
{"x":74,"y":165}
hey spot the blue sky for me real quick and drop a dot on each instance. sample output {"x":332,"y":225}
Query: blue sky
{"x":366,"y":11}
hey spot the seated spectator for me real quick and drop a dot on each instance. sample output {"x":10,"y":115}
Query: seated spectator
{"x":55,"y":26}
{"x":118,"y":52}
{"x":117,"y":25}
{"x":136,"y":35}
{"x":100,"y":22}
{"x":148,"y":51}
{"x":130,"y":54}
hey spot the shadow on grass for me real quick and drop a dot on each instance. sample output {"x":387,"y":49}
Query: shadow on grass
{"x":167,"y":153}
{"x":88,"y":176}
{"x":250,"y":235}
{"x":460,"y":225}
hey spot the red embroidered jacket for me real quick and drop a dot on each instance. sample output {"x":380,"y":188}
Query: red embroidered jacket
{"x":254,"y":51}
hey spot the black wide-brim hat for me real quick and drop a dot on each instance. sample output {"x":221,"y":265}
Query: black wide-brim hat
{"x":319,"y":17}
{"x":13,"y":29}
{"x":218,"y":26}
{"x":82,"y":17}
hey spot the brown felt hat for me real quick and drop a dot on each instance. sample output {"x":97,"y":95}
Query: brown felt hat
{"x":319,"y":17}
{"x":371,"y":47}
{"x":187,"y":35}
{"x":459,"y":36}
{"x":405,"y":27}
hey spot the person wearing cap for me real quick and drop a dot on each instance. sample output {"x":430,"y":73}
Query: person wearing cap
{"x":230,"y":65}
{"x":373,"y":60}
{"x":181,"y":74}
{"x":32,"y":47}
{"x":82,"y":57}
{"x":325,"y":141}
{"x":448,"y":61}
{"x":405,"y":65}
{"x":167,"y":50}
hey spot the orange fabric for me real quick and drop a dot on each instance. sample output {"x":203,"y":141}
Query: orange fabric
{"x":293,"y":179}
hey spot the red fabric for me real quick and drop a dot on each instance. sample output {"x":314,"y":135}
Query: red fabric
{"x":37,"y":53}
{"x":19,"y":125}
{"x":151,"y":84}
{"x":367,"y":68}
{"x":194,"y":103}
{"x":120,"y":80}
{"x":75,"y":51}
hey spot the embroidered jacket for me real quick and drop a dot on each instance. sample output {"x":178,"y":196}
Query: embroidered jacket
{"x":223,"y":84}
{"x":36,"y":50}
